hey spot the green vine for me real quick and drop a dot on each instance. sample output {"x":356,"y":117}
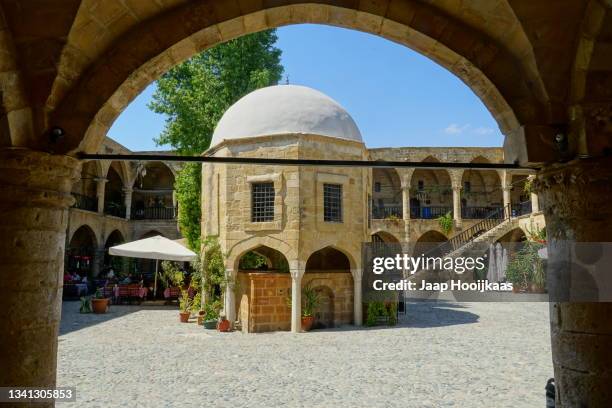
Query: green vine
{"x":446,"y":222}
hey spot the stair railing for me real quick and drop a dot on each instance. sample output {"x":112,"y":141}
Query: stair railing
{"x":492,"y":220}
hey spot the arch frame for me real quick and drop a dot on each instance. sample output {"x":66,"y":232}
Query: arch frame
{"x":472,"y":55}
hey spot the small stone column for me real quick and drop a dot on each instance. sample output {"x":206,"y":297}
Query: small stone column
{"x":296,"y":300}
{"x":406,"y":211}
{"x":230,"y":296}
{"x":576,"y":205}
{"x":100,"y":192}
{"x":357,"y":292}
{"x":535,"y":205}
{"x":507,"y":189}
{"x":128,"y":202}
{"x":456,"y":176}
{"x":36,"y":196}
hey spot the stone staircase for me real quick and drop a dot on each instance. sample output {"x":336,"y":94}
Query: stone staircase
{"x":472,"y":242}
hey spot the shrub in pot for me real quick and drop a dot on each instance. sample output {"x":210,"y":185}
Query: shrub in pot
{"x":211,"y":314}
{"x":185,"y":303}
{"x":99,"y":303}
{"x":310,"y":301}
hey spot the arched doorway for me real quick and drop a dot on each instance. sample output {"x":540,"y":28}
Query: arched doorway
{"x":118,"y":264}
{"x":263,"y":290}
{"x":386,"y":194}
{"x":430,"y":192}
{"x":114,"y":202}
{"x":152,"y":197}
{"x":328,"y":273}
{"x":481,"y":193}
{"x":81,"y":253}
{"x":429,"y":244}
{"x":86,"y":189}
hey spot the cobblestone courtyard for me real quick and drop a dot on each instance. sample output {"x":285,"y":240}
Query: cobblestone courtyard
{"x":441,"y":355}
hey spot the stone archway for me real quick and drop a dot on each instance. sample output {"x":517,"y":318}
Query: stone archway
{"x":81,"y":252}
{"x":261,"y":278}
{"x":328,"y":273}
{"x":537,"y":86}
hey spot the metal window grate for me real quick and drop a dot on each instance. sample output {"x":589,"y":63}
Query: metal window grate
{"x":262,"y":202}
{"x":332,"y":202}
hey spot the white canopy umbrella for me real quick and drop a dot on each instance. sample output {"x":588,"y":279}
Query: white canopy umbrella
{"x":158,"y":248}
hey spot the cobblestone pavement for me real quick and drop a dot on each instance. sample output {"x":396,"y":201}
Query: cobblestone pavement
{"x":441,"y":355}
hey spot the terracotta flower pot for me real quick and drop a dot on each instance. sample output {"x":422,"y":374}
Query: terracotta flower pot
{"x":307,"y":322}
{"x":99,"y":305}
{"x":223,"y":325}
{"x":184,"y":316}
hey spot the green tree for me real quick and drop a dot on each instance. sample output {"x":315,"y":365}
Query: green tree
{"x":195,"y":94}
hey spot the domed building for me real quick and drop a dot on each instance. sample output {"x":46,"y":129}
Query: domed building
{"x":286,"y":228}
{"x":307,"y":222}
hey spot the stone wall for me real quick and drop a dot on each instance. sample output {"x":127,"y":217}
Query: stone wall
{"x":339,"y":284}
{"x":262,"y":299}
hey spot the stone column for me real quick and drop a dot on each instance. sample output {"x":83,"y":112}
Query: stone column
{"x":406,"y":210}
{"x":576,"y":204}
{"x":456,"y":176}
{"x":100,"y":191}
{"x":535,"y":205}
{"x":229,"y":307}
{"x":296,"y":300}
{"x":507,"y":190}
{"x":34,"y":208}
{"x":357,"y":306}
{"x":128,"y":202}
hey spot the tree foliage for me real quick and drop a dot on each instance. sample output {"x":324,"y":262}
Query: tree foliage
{"x":195,"y":94}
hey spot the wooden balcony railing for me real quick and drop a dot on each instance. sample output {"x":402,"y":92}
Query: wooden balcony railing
{"x":114,"y":209}
{"x":429,"y":212}
{"x":386,"y":211}
{"x":521,"y":208}
{"x":84,"y":202}
{"x":153,"y":213}
{"x":477,"y":213}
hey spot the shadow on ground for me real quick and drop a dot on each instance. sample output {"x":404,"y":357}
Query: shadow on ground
{"x":72,"y":320}
{"x":436,"y":314}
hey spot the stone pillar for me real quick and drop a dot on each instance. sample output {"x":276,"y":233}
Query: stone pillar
{"x":535,"y":204}
{"x":406,"y":210}
{"x":100,"y":191}
{"x":128,"y":202}
{"x":507,"y":190}
{"x":456,"y":177}
{"x":576,"y":204}
{"x":34,"y":207}
{"x":357,"y":306}
{"x":229,"y":307}
{"x":98,"y":259}
{"x":296,"y":300}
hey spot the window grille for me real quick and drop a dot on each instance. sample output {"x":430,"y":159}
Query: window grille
{"x":262,"y":202}
{"x":332,"y":202}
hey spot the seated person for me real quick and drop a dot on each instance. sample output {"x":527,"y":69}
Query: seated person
{"x":67,"y":277}
{"x":127,"y":280}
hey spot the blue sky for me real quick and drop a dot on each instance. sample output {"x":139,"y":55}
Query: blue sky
{"x":396,"y":96}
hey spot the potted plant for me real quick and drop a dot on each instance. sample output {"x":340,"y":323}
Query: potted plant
{"x":223,"y":325}
{"x":99,"y":303}
{"x":185,"y":303}
{"x":310,"y":301}
{"x":211,"y":315}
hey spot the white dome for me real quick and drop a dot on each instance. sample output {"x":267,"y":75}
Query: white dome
{"x":285,"y":109}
